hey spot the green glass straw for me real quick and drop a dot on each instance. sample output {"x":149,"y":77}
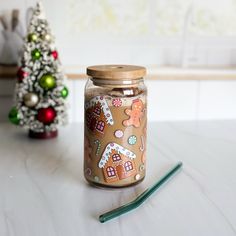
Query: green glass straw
{"x":141,"y":198}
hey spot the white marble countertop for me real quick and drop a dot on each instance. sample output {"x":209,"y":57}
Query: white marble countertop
{"x":43,"y":192}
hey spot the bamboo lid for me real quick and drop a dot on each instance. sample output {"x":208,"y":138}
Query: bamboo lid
{"x":116,"y":72}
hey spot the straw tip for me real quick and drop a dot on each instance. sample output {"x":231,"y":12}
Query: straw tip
{"x":102,"y":219}
{"x":180,"y":163}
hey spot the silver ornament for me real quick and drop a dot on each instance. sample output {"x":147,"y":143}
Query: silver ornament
{"x":31,"y":99}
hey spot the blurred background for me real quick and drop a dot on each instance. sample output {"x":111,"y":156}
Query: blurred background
{"x":188,"y":47}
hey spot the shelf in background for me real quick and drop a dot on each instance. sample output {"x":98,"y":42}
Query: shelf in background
{"x":170,"y":73}
{"x":154,"y":73}
{"x":7,"y":72}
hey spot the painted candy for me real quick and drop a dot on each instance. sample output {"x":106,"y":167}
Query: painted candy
{"x":98,"y":143}
{"x":132,"y":139}
{"x":141,"y":167}
{"x":119,"y":133}
{"x":96,"y":178}
{"x":88,"y":171}
{"x":137,"y":177}
{"x":116,"y":102}
{"x":142,"y":147}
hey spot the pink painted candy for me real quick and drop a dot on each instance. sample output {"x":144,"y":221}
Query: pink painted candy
{"x":119,"y":133}
{"x":116,"y":102}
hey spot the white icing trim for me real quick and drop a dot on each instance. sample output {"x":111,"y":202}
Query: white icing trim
{"x":119,"y":149}
{"x":105,"y":108}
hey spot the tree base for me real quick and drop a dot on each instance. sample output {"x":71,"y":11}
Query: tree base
{"x":43,"y":135}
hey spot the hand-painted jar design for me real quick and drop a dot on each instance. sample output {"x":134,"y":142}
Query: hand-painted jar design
{"x":115,"y":125}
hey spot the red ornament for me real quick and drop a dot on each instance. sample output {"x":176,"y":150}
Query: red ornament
{"x":21,"y":74}
{"x":46,"y":115}
{"x":54,"y":54}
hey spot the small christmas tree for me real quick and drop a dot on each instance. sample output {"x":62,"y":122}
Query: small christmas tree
{"x":40,"y":93}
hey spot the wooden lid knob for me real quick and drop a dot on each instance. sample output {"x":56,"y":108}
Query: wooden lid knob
{"x":116,"y":72}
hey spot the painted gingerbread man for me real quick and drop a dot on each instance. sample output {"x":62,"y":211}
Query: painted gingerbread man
{"x":135,"y":113}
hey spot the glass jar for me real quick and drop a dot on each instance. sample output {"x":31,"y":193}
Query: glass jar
{"x":115,"y":125}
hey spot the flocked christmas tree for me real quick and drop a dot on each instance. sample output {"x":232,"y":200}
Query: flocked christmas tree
{"x":40,"y":92}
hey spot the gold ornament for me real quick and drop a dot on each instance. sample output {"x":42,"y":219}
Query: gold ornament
{"x":47,"y":37}
{"x":31,"y":99}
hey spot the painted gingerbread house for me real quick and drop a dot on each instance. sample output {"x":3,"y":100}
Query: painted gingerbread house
{"x":98,"y":115}
{"x":117,"y":163}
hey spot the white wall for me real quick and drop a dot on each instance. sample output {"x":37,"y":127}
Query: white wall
{"x":129,"y":32}
{"x":176,"y":100}
{"x":167,"y":100}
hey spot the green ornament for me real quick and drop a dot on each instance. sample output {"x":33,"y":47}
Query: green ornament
{"x":64,"y":92}
{"x":14,"y":116}
{"x":32,"y":37}
{"x":36,"y":54}
{"x":47,"y":82}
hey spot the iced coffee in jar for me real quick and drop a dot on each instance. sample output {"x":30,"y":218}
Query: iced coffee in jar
{"x":115,"y":125}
